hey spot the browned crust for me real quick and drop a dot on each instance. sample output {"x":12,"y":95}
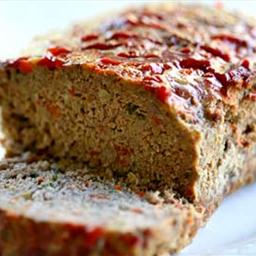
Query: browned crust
{"x":34,"y":238}
{"x":25,"y":237}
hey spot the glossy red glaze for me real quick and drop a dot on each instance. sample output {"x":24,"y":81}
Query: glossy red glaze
{"x":128,"y":55}
{"x":89,"y":37}
{"x":141,"y":21}
{"x":155,"y":68}
{"x":56,"y":51}
{"x":102,"y":46}
{"x":50,"y":63}
{"x":156,"y":49}
{"x":232,"y":39}
{"x":238,"y":75}
{"x":216,"y":52}
{"x":23,"y":65}
{"x":110,"y":61}
{"x":151,"y":14}
{"x":185,"y":50}
{"x":245,"y":64}
{"x":123,"y":35}
{"x":195,"y":64}
{"x":161,"y":92}
{"x":151,"y":55}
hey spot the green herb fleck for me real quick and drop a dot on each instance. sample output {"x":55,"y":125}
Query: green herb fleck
{"x":27,"y":195}
{"x":131,"y":108}
{"x":134,"y":109}
{"x":55,"y":177}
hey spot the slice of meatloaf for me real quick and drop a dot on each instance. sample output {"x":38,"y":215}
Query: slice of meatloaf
{"x":162,"y":96}
{"x":46,"y":211}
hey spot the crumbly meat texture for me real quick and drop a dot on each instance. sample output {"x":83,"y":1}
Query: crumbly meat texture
{"x":160,"y":96}
{"x":48,"y":211}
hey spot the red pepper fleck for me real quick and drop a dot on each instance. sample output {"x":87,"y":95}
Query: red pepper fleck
{"x":189,"y":192}
{"x":156,"y":120}
{"x":72,"y":91}
{"x":107,"y":61}
{"x":244,"y":143}
{"x":141,"y":194}
{"x":137,"y":210}
{"x":94,"y":153}
{"x":89,"y":37}
{"x":118,"y":187}
{"x":181,"y":25}
{"x":53,"y":109}
{"x":216,"y":52}
{"x":147,"y":233}
{"x":129,"y":239}
{"x":56,"y":51}
{"x":123,"y":162}
{"x":213,"y":116}
{"x":23,"y":65}
{"x":92,"y":237}
{"x":252,"y":96}
{"x":122,"y":150}
{"x":99,"y":196}
{"x":233,"y":128}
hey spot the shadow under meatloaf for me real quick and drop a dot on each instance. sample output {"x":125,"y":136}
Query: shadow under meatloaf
{"x":149,"y":99}
{"x":49,"y":211}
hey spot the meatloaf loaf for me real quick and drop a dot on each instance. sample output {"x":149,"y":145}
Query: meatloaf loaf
{"x":46,"y":211}
{"x":162,"y":96}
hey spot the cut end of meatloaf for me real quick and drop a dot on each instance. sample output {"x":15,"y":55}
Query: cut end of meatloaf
{"x":82,"y":114}
{"x":48,"y":211}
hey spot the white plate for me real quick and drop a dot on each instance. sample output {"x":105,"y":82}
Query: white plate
{"x":232,"y":229}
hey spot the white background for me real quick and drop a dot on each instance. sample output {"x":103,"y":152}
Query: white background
{"x":232,"y":229}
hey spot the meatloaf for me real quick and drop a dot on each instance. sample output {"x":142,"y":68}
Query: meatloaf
{"x":159,"y":96}
{"x":52,"y":212}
